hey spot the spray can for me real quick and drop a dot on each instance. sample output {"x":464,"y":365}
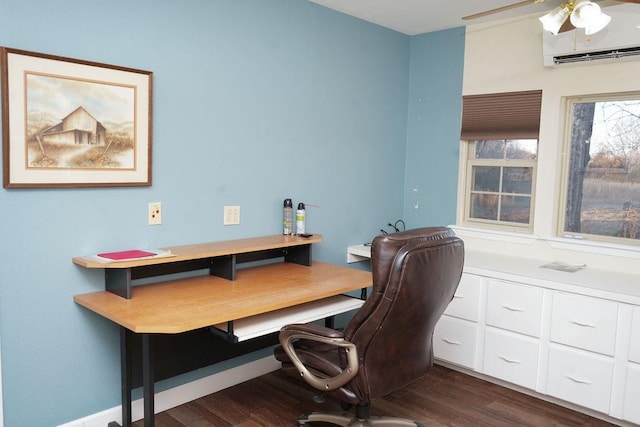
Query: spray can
{"x":287,"y":218}
{"x":300,"y":219}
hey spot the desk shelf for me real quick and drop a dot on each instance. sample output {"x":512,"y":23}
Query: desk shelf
{"x":220,"y":258}
{"x":357,"y":253}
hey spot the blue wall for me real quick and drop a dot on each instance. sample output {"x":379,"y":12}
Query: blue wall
{"x":433,"y":128}
{"x":254,"y":101}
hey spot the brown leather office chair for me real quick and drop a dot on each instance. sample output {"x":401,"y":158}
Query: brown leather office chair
{"x":388,"y":342}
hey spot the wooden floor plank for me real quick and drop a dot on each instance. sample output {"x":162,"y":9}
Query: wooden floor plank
{"x":441,"y":398}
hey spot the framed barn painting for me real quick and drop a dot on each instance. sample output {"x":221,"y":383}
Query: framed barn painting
{"x":73,"y":123}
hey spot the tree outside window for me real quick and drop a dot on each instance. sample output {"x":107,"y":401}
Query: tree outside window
{"x":602,"y":194}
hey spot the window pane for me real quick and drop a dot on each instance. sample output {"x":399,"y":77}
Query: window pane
{"x":484,"y":206}
{"x":522,"y":149}
{"x":515,"y":209}
{"x":486,"y":178}
{"x":603,"y":192}
{"x":517,"y":180}
{"x":489,"y":149}
{"x":497,"y":168}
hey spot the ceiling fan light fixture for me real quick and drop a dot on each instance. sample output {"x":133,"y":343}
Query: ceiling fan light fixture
{"x":585,"y":13}
{"x":598,"y":24}
{"x":553,"y":20}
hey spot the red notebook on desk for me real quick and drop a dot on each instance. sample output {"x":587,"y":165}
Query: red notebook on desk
{"x":131,"y":254}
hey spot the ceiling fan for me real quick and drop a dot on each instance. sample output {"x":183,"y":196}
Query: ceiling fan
{"x":569,"y":15}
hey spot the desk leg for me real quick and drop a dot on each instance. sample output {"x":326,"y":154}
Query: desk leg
{"x":126,"y":374}
{"x":147,"y":380}
{"x":329,"y":322}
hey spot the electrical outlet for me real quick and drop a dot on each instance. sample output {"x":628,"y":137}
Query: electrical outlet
{"x":231,"y":215}
{"x":155,"y":213}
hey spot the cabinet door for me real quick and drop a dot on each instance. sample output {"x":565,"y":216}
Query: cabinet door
{"x":511,"y":357}
{"x":580,"y":377}
{"x":634,"y":345}
{"x":514,"y":307}
{"x":466,"y":301}
{"x":454,"y":340}
{"x":584,"y":322}
{"x":631,"y":411}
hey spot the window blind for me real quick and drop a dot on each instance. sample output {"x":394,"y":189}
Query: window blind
{"x":509,"y":115}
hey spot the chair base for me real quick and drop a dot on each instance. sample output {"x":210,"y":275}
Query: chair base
{"x":348,"y":420}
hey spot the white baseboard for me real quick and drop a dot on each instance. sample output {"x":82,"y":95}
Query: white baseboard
{"x":182,"y":394}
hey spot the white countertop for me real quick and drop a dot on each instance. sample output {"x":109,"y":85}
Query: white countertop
{"x":614,"y":285}
{"x":591,"y":281}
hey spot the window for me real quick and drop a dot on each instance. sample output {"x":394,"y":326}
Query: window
{"x":500,"y":176}
{"x":601,"y":189}
{"x":500,"y":135}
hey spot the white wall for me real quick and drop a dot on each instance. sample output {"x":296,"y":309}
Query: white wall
{"x":507,"y":56}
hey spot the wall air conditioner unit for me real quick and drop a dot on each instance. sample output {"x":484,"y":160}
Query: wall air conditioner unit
{"x":619,"y":40}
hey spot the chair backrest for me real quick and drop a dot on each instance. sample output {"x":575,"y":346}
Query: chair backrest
{"x":415,"y":274}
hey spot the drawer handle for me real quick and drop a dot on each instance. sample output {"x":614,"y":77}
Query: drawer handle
{"x":508,"y":307}
{"x":448,"y":341}
{"x":582,"y":324}
{"x":578,"y":380}
{"x":506,"y":359}
{"x":458,"y":296}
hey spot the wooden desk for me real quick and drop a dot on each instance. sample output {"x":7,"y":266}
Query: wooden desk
{"x":183,"y":305}
{"x":187,"y":304}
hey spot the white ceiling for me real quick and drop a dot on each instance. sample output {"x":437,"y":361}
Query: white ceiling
{"x":422,"y":16}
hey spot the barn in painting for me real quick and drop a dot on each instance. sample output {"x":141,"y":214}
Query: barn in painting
{"x":78,"y":128}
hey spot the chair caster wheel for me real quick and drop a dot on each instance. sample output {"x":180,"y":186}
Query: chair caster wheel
{"x":345,"y":405}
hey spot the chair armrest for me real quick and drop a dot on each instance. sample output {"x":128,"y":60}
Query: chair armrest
{"x":310,"y":328}
{"x":291,"y":333}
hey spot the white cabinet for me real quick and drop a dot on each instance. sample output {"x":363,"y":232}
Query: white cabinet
{"x":547,"y":333}
{"x":514,"y":307}
{"x":466,"y":301}
{"x":631,"y":407}
{"x":456,"y":333}
{"x":634,"y":345}
{"x":580,"y":377}
{"x":454,"y":340}
{"x":511,"y":357}
{"x":584,"y":322}
{"x":631,"y":411}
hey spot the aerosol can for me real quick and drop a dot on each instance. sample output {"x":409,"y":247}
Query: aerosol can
{"x":300,"y":219}
{"x":287,"y":219}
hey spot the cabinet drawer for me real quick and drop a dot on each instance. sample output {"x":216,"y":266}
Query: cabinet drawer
{"x":514,"y":307}
{"x":584,"y":322}
{"x":580,"y":377}
{"x":634,"y":346}
{"x":466,"y":301}
{"x":454,"y":340}
{"x":511,"y":357}
{"x":631,"y":409}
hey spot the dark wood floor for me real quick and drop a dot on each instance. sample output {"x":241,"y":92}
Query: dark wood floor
{"x":441,"y":398}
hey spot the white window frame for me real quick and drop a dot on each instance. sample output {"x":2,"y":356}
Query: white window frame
{"x":464,"y":203}
{"x":582,"y":238}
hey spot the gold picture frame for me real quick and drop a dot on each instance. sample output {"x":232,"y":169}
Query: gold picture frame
{"x":73,"y":123}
